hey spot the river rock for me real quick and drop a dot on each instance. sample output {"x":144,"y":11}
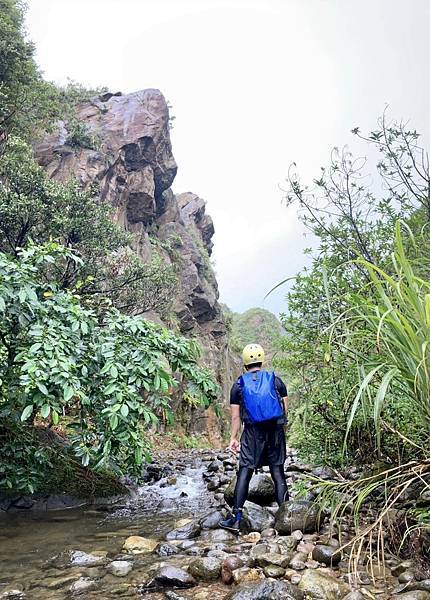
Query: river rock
{"x":274,"y":571}
{"x":169,"y":576}
{"x":252,"y":538}
{"x":246,"y":575}
{"x":406,"y":576}
{"x":261,"y":490}
{"x":82,"y":586}
{"x":298,"y":561}
{"x":211,"y":520}
{"x":405,"y":565}
{"x":258,"y":517}
{"x":423,"y":585}
{"x":120,"y":568}
{"x":58,"y":582}
{"x":279,"y":560}
{"x":217,"y":535}
{"x":12,"y":595}
{"x":230,"y":564}
{"x":188,"y":531}
{"x":321,"y":586}
{"x":207,"y":568}
{"x":259,"y":550}
{"x":165,"y":549}
{"x":267,"y":590}
{"x":413,"y":595}
{"x":326,"y":555}
{"x":296,"y":515}
{"x":324,"y":472}
{"x":82,"y":559}
{"x":214,"y":466}
{"x":288,"y":542}
{"x":135,"y":544}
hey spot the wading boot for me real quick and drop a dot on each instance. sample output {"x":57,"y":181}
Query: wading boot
{"x":232,"y":522}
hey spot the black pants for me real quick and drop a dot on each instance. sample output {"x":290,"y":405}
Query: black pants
{"x":244,"y":477}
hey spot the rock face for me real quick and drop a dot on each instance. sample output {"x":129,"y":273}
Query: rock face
{"x":134,"y":168}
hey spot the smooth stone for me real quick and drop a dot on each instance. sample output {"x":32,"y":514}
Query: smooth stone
{"x":259,"y":550}
{"x":288,"y":542}
{"x":135,"y":544}
{"x":207,"y":568}
{"x":280,"y":560}
{"x":274,"y":571}
{"x":406,"y":576}
{"x":246,"y":575}
{"x":59,"y":582}
{"x":82,"y":559}
{"x":82,"y":585}
{"x":268,"y":533}
{"x":257,"y":517}
{"x":267,"y":589}
{"x":253,"y":537}
{"x":13,"y":595}
{"x":165,"y":549}
{"x":326,"y":554}
{"x":230,"y":564}
{"x":169,"y":576}
{"x":211,"y":521}
{"x":185,"y":532}
{"x":120,"y":568}
{"x":321,"y":586}
{"x":405,"y":565}
{"x":294,"y":515}
{"x":217,"y":535}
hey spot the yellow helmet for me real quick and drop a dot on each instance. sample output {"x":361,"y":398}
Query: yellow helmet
{"x":252,"y":353}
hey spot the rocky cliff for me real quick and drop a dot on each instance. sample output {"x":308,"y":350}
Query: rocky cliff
{"x":122,"y":144}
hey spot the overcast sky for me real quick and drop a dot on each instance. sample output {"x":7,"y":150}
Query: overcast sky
{"x":254,"y":85}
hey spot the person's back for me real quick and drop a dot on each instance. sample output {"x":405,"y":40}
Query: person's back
{"x":258,"y":400}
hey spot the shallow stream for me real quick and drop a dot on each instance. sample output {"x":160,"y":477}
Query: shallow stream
{"x":30,"y":539}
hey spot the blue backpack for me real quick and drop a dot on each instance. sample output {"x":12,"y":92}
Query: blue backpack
{"x":260,"y":397}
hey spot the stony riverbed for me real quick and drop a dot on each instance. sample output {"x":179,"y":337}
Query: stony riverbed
{"x":164,"y":542}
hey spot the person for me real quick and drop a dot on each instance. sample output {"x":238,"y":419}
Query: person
{"x":263,"y":412}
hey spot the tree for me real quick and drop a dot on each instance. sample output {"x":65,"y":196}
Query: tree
{"x":104,"y":375}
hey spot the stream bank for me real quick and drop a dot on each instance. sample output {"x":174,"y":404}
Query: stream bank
{"x":165,"y":543}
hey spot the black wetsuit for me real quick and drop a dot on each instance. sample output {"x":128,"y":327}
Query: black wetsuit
{"x":260,"y":444}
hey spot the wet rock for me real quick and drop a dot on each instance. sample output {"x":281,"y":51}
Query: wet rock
{"x":274,"y":571}
{"x":207,"y":568}
{"x":288,"y":542}
{"x":406,"y":576}
{"x":259,"y":550}
{"x":326,"y":554}
{"x":413,"y":595}
{"x":59,"y":582}
{"x":405,"y":565}
{"x":258,"y":517}
{"x":120,"y":568}
{"x":280,"y":560}
{"x":82,"y":559}
{"x":186,"y":532}
{"x":355,"y":595}
{"x":321,"y":586}
{"x":82,"y":586}
{"x":13,"y":595}
{"x":324,"y":473}
{"x":230,"y":564}
{"x":268,"y":533}
{"x":165,"y":549}
{"x":167,"y":504}
{"x":294,"y":515}
{"x":211,"y":521}
{"x":169,"y":576}
{"x":135,"y":544}
{"x":217,"y":535}
{"x":246,"y":575}
{"x":267,"y":590}
{"x":253,"y":537}
{"x":214,"y":466}
{"x":423,"y":585}
{"x":213,"y":484}
{"x":298,"y":561}
{"x":194,"y":551}
{"x":261,"y":490}
{"x":171,"y":595}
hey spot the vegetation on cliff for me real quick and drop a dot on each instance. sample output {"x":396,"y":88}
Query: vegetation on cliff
{"x":75,"y":356}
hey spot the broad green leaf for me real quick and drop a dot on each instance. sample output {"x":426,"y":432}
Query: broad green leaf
{"x":27,"y":412}
{"x":44,"y":411}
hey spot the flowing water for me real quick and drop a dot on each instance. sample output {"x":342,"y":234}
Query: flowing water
{"x":30,"y":539}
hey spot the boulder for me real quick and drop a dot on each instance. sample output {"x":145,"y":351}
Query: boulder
{"x":327,"y":555}
{"x":261,"y":490}
{"x":294,"y":515}
{"x":267,"y":590}
{"x":207,"y":568}
{"x":321,"y":586}
{"x":135,"y":544}
{"x":279,"y":560}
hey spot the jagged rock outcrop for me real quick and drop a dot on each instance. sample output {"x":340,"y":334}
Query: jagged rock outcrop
{"x":132,"y":163}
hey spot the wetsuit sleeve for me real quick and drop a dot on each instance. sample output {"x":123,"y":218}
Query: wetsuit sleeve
{"x":281,"y":388}
{"x":235,"y":394}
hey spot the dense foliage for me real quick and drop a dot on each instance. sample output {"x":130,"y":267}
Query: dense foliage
{"x":104,"y":376}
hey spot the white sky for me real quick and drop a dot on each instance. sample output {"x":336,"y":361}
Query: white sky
{"x":254,"y":85}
